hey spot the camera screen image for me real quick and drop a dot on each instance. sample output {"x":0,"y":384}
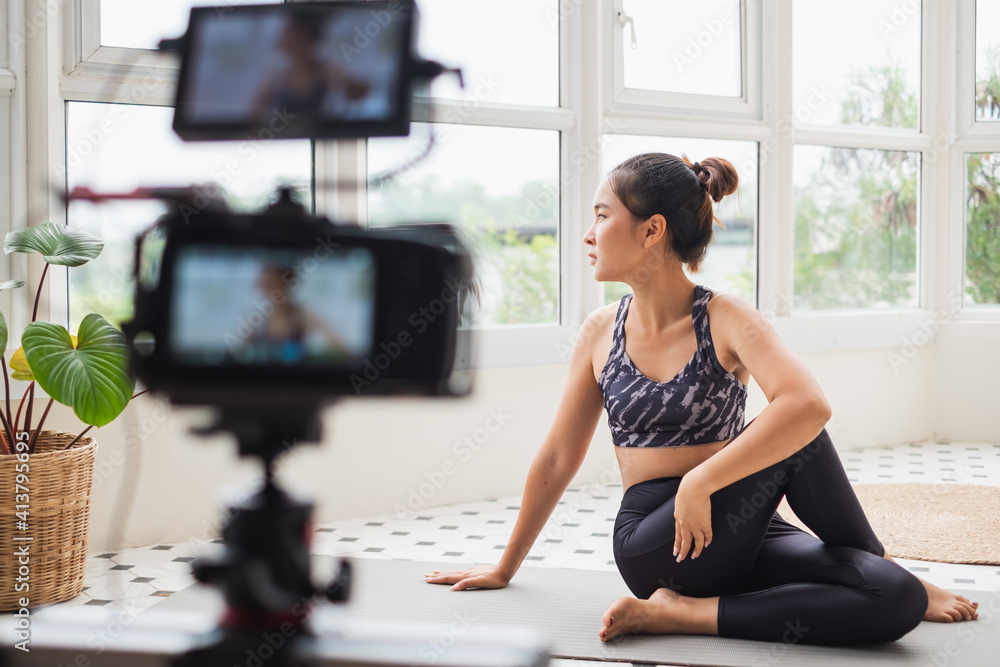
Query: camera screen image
{"x":256,"y":306}
{"x":319,"y":66}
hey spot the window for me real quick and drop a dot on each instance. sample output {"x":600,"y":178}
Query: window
{"x":508,"y":51}
{"x":494,"y":170}
{"x":674,"y":55}
{"x":108,"y":148}
{"x":513,"y":224}
{"x":507,"y":205}
{"x":858,"y":65}
{"x":987,"y":60}
{"x":730,"y":263}
{"x":856,"y":213}
{"x":856,"y":90}
{"x":683,"y":47}
{"x":982,"y":229}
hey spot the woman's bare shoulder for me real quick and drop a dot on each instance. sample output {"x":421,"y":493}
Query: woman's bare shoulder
{"x":598,"y":324}
{"x":728,"y":309}
{"x":738,"y":330}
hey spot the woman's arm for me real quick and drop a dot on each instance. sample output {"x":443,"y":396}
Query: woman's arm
{"x":557,"y":461}
{"x":796,"y":413}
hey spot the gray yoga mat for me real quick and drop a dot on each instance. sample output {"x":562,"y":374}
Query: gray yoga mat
{"x":566,"y":605}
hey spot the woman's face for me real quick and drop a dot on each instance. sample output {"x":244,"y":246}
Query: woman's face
{"x":614,"y":248}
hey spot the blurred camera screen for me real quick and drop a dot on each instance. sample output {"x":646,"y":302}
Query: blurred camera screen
{"x":259,"y":306}
{"x":290,"y":68}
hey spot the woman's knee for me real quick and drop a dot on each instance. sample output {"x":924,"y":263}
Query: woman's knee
{"x":904,"y":601}
{"x":821,"y":443}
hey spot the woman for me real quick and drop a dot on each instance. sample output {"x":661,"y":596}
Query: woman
{"x":290,"y":332}
{"x":306,"y":83}
{"x":697,"y":538}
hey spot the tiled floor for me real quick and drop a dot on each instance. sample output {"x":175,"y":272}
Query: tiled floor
{"x":577,"y":536}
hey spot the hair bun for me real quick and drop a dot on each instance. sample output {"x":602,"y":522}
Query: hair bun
{"x":717,"y":176}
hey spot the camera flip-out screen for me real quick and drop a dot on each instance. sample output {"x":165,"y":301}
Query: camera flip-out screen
{"x":266,"y":307}
{"x":323,"y":69}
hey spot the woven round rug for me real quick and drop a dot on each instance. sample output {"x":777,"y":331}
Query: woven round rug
{"x":947,"y":523}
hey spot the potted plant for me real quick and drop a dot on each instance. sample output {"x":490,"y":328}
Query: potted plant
{"x":46,"y":475}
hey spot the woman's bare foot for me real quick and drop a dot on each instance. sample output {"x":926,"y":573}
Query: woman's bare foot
{"x":945,"y":607}
{"x":665,"y":612}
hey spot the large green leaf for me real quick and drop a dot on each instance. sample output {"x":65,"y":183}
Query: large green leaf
{"x":19,"y":368}
{"x":58,"y":244}
{"x":11,"y":284}
{"x":92,"y":378}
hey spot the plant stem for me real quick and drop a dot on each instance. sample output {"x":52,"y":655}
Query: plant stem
{"x":82,"y":433}
{"x":31,"y":388}
{"x":5,"y":434}
{"x":34,"y":436}
{"x":6,"y":386}
{"x":31,"y":404}
{"x":38,"y":294}
{"x":17,"y":419}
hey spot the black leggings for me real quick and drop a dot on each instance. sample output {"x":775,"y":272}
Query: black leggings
{"x":775,"y":581}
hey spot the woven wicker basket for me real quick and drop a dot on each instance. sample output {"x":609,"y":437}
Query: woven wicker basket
{"x":59,"y":484}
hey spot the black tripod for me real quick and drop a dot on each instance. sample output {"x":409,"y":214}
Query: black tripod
{"x":263,"y":572}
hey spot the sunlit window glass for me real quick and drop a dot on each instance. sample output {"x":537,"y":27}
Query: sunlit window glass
{"x":856,"y":228}
{"x":730,"y":264}
{"x":683,"y":47}
{"x":500,"y":187}
{"x":856,"y":62}
{"x":142,"y":24}
{"x":117,"y":148}
{"x":988,"y":60}
{"x":508,"y":50}
{"x":982,"y":229}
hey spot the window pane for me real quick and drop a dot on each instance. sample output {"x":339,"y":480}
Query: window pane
{"x":856,"y":63}
{"x":684,"y":47}
{"x":508,"y":50}
{"x":500,"y":186}
{"x":116,"y":148}
{"x":988,"y":60}
{"x":856,"y":214}
{"x":142,"y":25}
{"x":730,"y":264}
{"x":982,"y":230}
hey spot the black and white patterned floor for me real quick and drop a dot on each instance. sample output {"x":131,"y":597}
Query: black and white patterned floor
{"x":577,"y":536}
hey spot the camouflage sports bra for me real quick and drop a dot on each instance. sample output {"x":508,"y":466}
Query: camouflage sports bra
{"x":703,"y":403}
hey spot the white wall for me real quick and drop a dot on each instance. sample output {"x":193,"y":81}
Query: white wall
{"x":876,"y":402}
{"x":965,"y":394}
{"x":378,"y":456}
{"x":393,"y":455}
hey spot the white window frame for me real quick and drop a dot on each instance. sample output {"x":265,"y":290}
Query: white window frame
{"x":861,"y":327}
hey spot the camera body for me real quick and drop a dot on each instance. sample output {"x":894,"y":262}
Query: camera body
{"x":282,"y":311}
